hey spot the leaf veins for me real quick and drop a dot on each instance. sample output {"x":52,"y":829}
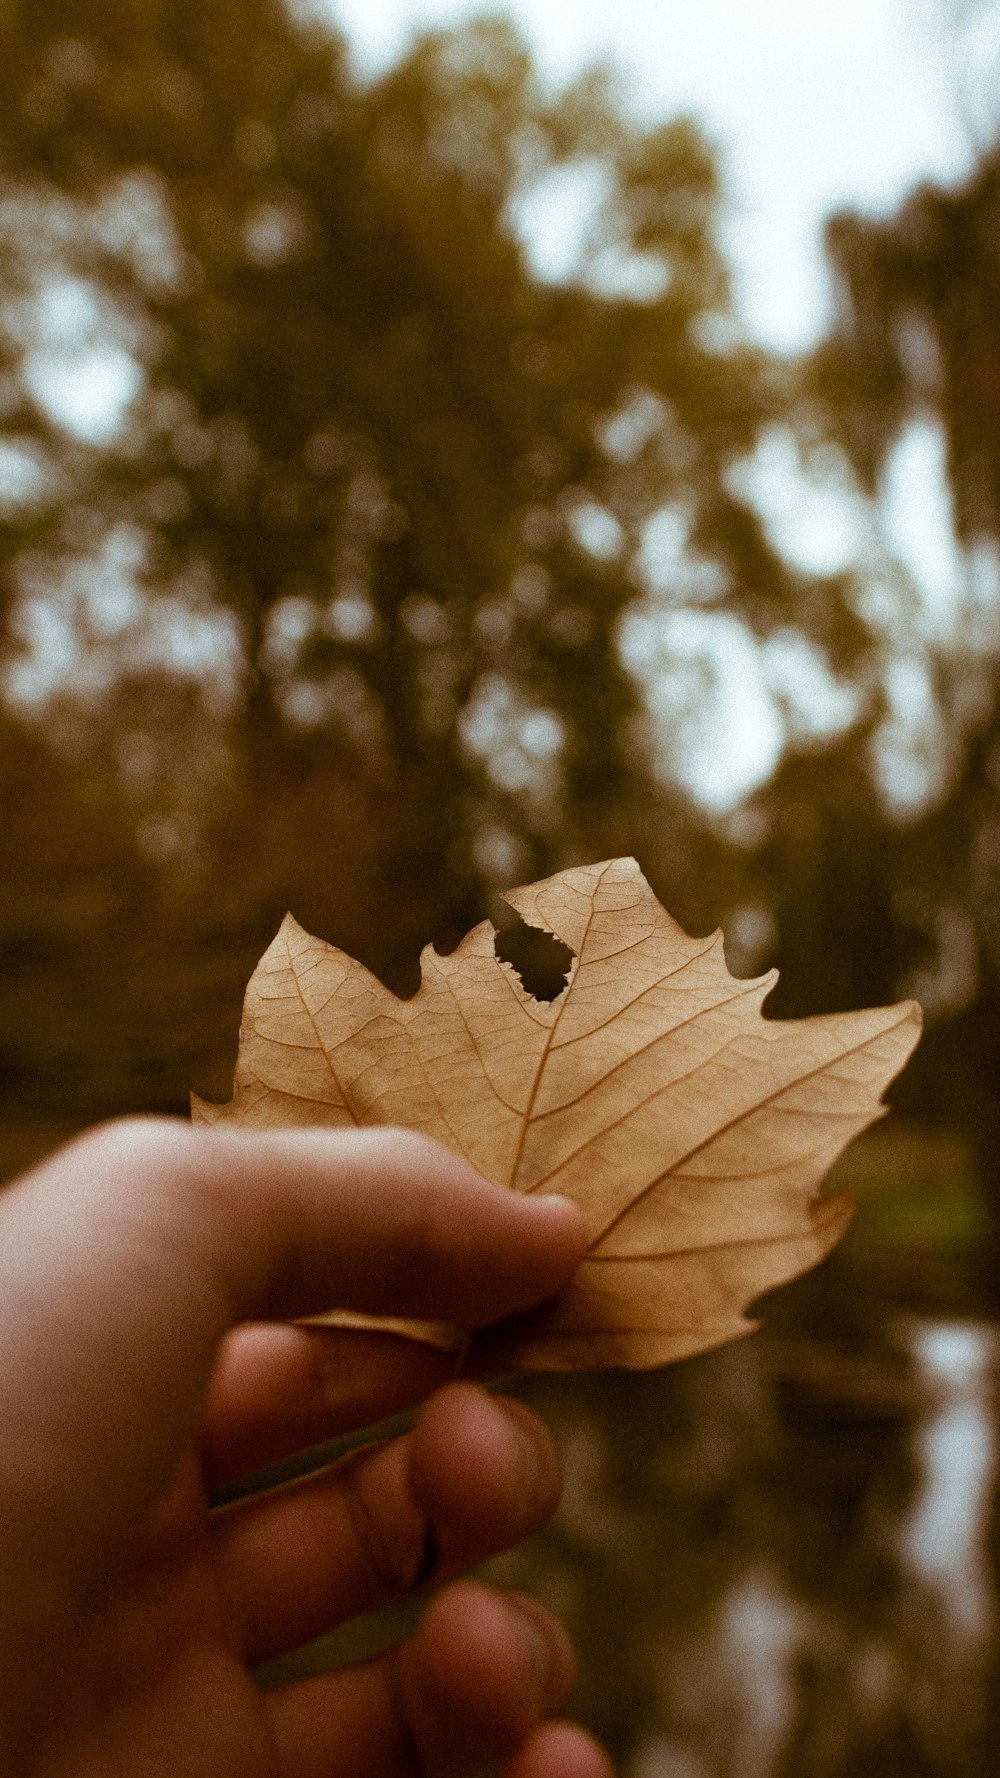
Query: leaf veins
{"x":648,"y":1087}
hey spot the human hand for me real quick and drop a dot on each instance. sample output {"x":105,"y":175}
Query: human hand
{"x":148,"y":1271}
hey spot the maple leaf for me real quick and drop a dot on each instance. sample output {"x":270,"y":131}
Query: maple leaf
{"x":692,"y":1132}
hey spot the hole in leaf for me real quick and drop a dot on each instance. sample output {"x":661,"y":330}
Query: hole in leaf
{"x":541,"y":961}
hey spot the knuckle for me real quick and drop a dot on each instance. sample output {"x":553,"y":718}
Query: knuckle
{"x":395,"y":1542}
{"x":125,"y":1140}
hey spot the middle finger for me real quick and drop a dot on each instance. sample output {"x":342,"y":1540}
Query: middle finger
{"x":475,"y":1475}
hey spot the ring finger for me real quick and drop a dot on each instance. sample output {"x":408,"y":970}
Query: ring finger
{"x":473,"y":1684}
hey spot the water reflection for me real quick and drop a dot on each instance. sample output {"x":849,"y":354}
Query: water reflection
{"x":776,"y":1560}
{"x":738,"y":1682}
{"x":943,"y":1542}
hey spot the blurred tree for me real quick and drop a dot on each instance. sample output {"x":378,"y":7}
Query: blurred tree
{"x":917,"y":342}
{"x":342,"y":541}
{"x":378,"y":512}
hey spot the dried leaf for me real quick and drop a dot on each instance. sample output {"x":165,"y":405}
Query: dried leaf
{"x":692,"y":1132}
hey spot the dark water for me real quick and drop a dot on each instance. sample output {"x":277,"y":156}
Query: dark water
{"x":777,"y":1561}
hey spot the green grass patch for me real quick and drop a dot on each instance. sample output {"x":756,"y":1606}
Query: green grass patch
{"x":914,"y":1188}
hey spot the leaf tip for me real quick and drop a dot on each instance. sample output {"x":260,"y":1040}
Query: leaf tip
{"x":832,"y":1213}
{"x":290,"y":928}
{"x":909,"y":1025}
{"x":768,"y":982}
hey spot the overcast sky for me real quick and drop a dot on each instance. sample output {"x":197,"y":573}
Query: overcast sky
{"x":814,"y":106}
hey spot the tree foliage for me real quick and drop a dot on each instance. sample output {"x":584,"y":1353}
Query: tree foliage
{"x":362,"y":536}
{"x":917,"y":341}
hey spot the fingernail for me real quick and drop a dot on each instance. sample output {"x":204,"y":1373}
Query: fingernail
{"x":538,"y":1482}
{"x":538,"y":1651}
{"x":559,"y":1198}
{"x":550,"y":1664}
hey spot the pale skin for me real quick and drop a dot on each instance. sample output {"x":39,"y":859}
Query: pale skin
{"x":148,"y":1276}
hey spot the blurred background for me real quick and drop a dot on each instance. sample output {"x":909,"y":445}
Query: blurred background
{"x":436,"y":450}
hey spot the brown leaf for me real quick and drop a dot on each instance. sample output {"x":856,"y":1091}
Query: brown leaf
{"x":692,"y":1132}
